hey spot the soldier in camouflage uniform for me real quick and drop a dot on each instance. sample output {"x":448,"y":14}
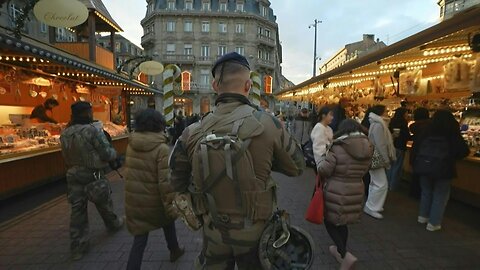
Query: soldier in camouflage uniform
{"x":232,"y":239}
{"x":87,"y":152}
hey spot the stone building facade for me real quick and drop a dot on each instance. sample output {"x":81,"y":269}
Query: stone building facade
{"x":194,"y":33}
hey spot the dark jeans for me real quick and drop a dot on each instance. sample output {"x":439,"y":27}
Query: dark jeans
{"x":339,"y":235}
{"x":415,"y":188}
{"x":140,"y":242}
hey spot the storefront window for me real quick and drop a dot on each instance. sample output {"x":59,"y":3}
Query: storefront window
{"x":268,"y":84}
{"x":205,"y":105}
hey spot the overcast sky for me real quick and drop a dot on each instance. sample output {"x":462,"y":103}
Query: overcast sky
{"x":344,"y":21}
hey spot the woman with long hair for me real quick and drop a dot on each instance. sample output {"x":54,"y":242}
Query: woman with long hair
{"x":322,"y":134}
{"x":346,"y":162}
{"x":148,"y":194}
{"x":399,"y":128}
{"x":381,"y":138}
{"x":443,"y":133}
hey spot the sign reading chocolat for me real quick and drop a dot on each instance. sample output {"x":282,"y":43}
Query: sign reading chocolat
{"x":61,"y":13}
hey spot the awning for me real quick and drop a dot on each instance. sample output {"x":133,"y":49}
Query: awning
{"x":58,"y":63}
{"x":453,"y":33}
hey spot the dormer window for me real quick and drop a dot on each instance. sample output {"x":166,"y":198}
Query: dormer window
{"x":189,"y":5}
{"x":240,"y":7}
{"x":223,"y":6}
{"x":264,"y":11}
{"x":206,"y":5}
{"x":171,"y":5}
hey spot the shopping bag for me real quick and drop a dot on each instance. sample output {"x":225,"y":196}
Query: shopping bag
{"x":315,"y":209}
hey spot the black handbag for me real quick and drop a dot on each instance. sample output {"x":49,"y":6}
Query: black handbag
{"x":307,"y":149}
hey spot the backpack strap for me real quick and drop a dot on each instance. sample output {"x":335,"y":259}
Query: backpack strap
{"x":205,"y":163}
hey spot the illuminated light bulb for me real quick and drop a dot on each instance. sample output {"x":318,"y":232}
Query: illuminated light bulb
{"x":448,"y":50}
{"x":7,"y":58}
{"x":426,"y":53}
{"x":63,"y":74}
{"x":14,"y":59}
{"x":442,"y":51}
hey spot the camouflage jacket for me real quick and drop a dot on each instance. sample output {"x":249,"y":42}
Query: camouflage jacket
{"x":272,"y":150}
{"x":86,"y":146}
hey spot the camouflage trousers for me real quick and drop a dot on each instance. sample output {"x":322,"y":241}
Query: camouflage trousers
{"x":77,"y":179}
{"x":223,"y":248}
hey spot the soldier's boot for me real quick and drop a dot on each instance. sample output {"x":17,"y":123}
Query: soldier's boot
{"x":176,"y":254}
{"x":117,"y":225}
{"x":79,"y":250}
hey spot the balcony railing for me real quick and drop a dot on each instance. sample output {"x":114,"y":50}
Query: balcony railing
{"x":204,"y":58}
{"x":179,"y":58}
{"x":266,"y":40}
{"x":266,"y":63}
{"x":148,"y":38}
{"x":104,"y":57}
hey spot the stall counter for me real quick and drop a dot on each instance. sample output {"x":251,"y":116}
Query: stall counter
{"x":466,"y":187}
{"x":24,"y":171}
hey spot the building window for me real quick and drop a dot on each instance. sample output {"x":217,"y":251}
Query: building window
{"x":267,"y":33}
{"x":188,"y":49}
{"x":223,"y":7}
{"x":206,"y":5}
{"x":240,"y":7}
{"x":264,"y":11}
{"x":188,"y":26}
{"x":222,"y":50}
{"x":189,"y":5}
{"x":171,"y":49}
{"x":171,"y":25}
{"x":268,"y":84}
{"x":117,"y":46}
{"x":205,"y":27}
{"x":259,"y":30}
{"x":240,"y":28}
{"x":240,"y":50}
{"x":222,"y":27}
{"x":204,"y":77}
{"x":43,"y":28}
{"x":205,"y":52}
{"x":186,"y":79}
{"x":14,"y":13}
{"x":260,"y":54}
{"x":150,"y":7}
{"x":171,"y":5}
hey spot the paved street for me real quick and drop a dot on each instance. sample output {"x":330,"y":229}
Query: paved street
{"x":39,"y":239}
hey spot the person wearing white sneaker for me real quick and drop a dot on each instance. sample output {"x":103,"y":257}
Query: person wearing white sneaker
{"x":381,"y":138}
{"x":342,"y":169}
{"x":437,"y":173}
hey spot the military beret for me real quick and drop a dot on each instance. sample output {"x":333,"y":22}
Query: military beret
{"x":231,"y":57}
{"x":80,"y":107}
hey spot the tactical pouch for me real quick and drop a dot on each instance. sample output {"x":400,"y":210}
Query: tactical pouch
{"x":98,"y":191}
{"x":184,"y":206}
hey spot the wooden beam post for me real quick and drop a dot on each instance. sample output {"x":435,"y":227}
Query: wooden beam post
{"x":112,"y":47}
{"x":92,"y":39}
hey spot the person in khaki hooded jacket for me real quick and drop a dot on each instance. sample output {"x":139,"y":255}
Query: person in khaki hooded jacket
{"x":148,"y":194}
{"x":233,"y":238}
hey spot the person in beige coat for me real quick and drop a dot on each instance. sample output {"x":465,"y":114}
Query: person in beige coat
{"x":148,"y":194}
{"x":346,"y":162}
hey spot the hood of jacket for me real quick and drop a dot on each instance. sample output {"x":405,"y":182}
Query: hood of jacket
{"x":146,"y":141}
{"x":356,"y":145}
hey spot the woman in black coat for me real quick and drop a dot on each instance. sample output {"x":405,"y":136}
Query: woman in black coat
{"x":441,"y":136}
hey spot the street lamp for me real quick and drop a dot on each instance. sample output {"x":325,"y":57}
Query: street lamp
{"x":315,"y":23}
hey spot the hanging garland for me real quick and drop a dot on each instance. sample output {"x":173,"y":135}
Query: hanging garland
{"x":21,"y":18}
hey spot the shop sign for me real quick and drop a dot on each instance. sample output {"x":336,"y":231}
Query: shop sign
{"x":80,"y":89}
{"x":61,"y":13}
{"x":151,"y":68}
{"x":268,"y":83}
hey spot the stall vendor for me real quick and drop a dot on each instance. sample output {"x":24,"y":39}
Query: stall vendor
{"x":39,"y":113}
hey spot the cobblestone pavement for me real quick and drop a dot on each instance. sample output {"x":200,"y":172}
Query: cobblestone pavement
{"x":39,"y":239}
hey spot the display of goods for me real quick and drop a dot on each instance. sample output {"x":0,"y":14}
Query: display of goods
{"x":457,"y":75}
{"x":410,"y":82}
{"x":475,"y":85}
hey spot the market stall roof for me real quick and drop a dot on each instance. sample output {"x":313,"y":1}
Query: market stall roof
{"x":102,"y":13}
{"x":55,"y":62}
{"x":448,"y":32}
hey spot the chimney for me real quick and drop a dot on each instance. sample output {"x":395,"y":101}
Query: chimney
{"x":368,"y":37}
